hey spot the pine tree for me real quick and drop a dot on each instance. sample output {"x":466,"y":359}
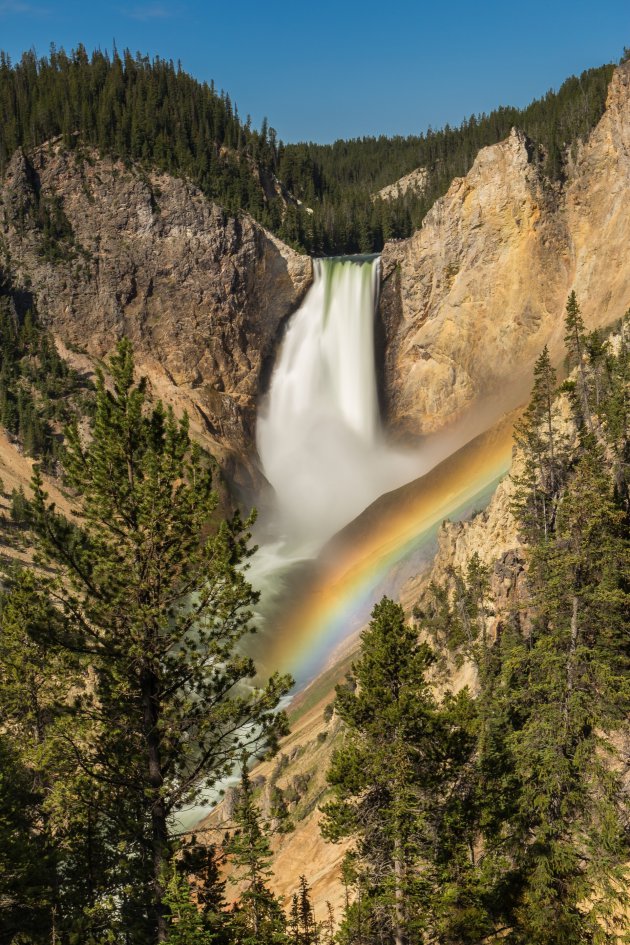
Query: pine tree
{"x":329,"y":925}
{"x":308,"y":930}
{"x":555,"y":691}
{"x":576,"y":342}
{"x":203,"y":863}
{"x":19,"y":507}
{"x":469,"y":894}
{"x":27,"y":862}
{"x":388,"y":770}
{"x":302,"y":927}
{"x":185,"y":922}
{"x":536,"y":436}
{"x":68,"y":823}
{"x":569,"y":840}
{"x":158,"y":603}
{"x":258,"y":917}
{"x":293,"y":925}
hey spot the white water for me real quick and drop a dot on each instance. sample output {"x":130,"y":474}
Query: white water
{"x":319,"y":435}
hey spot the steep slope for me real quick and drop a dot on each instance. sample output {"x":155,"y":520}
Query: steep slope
{"x":494,"y":536}
{"x":471,"y":298}
{"x":107,"y":251}
{"x":300,"y":768}
{"x":319,"y":197}
{"x":299,"y":773}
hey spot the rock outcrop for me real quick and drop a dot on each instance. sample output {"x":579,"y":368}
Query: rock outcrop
{"x":492,"y":534}
{"x":108,"y":251}
{"x":415,"y":182}
{"x":471,"y":298}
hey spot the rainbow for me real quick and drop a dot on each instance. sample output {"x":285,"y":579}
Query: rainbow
{"x":399,"y":526}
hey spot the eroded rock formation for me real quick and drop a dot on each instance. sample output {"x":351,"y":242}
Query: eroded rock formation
{"x":108,"y":251}
{"x":414,"y":182}
{"x":471,"y":298}
{"x":467,"y":303}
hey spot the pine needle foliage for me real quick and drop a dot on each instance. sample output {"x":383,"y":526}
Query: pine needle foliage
{"x":516,"y":810}
{"x":156,"y":601}
{"x":37,"y":387}
{"x":258,"y":918}
{"x":393,"y":763}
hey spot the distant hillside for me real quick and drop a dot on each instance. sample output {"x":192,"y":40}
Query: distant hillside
{"x":318,"y":198}
{"x":139,"y":110}
{"x":338,"y":180}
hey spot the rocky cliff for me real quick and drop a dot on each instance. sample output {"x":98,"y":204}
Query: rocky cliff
{"x":492,"y":534}
{"x":107,"y":251}
{"x":471,"y":298}
{"x":467,"y":302}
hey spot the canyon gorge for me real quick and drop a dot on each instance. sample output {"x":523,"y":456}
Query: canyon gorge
{"x":376,"y":452}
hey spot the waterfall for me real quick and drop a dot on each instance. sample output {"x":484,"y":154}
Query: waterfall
{"x":319,"y":435}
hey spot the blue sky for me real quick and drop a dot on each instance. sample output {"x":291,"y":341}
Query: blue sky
{"x":332,"y":70}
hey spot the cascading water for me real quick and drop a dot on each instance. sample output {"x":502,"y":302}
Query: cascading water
{"x":319,"y":435}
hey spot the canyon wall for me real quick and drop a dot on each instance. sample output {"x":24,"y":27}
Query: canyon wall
{"x":471,"y":298}
{"x":107,"y":250}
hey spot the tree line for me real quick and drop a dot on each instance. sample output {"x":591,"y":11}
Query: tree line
{"x":319,"y":198}
{"x":125,"y":696}
{"x":123,"y":692}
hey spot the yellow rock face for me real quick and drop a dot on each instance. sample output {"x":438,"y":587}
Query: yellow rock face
{"x":471,"y":298}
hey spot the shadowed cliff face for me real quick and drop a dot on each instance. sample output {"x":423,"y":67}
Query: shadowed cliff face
{"x":108,"y":252}
{"x":470,"y":299}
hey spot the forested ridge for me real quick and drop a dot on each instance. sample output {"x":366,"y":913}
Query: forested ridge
{"x":501,"y":815}
{"x":319,"y":198}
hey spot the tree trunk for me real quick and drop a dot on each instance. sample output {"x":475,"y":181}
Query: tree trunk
{"x":571,"y":660}
{"x":161,"y":857}
{"x":159,"y":827}
{"x":552,"y":458}
{"x":253,"y":886}
{"x":399,"y":901}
